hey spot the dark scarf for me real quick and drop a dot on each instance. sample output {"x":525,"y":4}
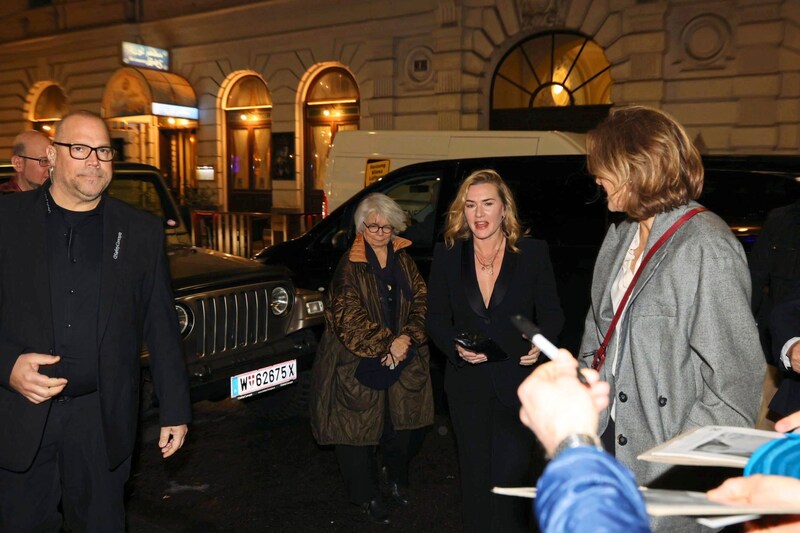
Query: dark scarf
{"x":391,"y":282}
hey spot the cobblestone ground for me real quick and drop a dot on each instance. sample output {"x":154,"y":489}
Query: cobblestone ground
{"x":241,"y":472}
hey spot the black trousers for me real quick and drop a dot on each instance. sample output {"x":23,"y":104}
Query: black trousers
{"x":359,"y":464}
{"x":494,"y":448}
{"x":71,"y":467}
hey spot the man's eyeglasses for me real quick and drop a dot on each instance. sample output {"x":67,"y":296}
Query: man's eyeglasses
{"x":374,"y":228}
{"x":43,"y":161}
{"x":83,"y":151}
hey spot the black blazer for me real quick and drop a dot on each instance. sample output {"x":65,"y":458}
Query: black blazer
{"x":525,"y":286}
{"x":136,"y":304}
{"x":784,"y":324}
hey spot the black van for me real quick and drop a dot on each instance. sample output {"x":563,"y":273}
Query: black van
{"x":558,"y":202}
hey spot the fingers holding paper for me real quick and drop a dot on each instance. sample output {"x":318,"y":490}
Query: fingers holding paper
{"x":762,"y":490}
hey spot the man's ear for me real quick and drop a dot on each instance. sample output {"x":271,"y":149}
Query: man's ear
{"x":17,"y":162}
{"x":51,"y":155}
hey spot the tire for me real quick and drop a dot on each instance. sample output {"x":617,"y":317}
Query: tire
{"x":286,"y":402}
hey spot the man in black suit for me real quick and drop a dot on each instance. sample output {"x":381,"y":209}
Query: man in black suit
{"x":784,"y":325}
{"x":775,"y":264}
{"x":83,"y":282}
{"x":775,"y":273}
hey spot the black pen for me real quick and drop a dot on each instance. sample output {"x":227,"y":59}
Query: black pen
{"x":540,"y":341}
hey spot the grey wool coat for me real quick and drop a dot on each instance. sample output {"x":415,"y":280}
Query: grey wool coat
{"x":688,"y":349}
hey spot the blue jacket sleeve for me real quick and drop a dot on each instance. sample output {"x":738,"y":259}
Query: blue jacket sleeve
{"x":584,"y":489}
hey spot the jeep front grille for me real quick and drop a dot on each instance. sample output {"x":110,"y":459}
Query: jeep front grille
{"x":231,"y":320}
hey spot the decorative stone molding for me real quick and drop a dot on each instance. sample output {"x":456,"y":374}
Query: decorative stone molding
{"x":418,"y":67}
{"x":705,"y":40}
{"x":448,"y":120}
{"x":447,"y":15}
{"x":704,"y":43}
{"x":535,"y":14}
{"x":382,"y":121}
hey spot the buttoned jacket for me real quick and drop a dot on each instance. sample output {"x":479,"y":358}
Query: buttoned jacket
{"x":525,"y":286}
{"x":688,"y":352}
{"x":135,"y":306}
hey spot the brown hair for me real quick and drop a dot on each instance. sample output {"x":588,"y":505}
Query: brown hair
{"x":456,"y":227}
{"x":647,"y":149}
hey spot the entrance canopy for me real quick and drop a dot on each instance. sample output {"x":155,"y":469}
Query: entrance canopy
{"x":134,"y":91}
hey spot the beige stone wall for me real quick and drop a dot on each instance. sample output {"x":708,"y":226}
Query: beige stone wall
{"x":728,"y":69}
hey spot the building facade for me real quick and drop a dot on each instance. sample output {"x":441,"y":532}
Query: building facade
{"x":238,"y":101}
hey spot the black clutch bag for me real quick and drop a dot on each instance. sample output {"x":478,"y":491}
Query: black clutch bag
{"x":475,"y":342}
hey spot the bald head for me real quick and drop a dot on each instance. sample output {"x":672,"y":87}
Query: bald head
{"x":79,"y":119}
{"x":30,"y":151}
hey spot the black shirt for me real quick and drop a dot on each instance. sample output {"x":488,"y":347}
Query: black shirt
{"x":74,"y":249}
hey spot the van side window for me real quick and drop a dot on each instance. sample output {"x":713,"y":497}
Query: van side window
{"x":418,"y":197}
{"x":557,"y":199}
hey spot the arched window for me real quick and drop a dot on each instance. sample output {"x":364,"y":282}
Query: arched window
{"x":248,"y":120}
{"x":332,"y":105}
{"x":555,"y":80}
{"x":50,"y":106}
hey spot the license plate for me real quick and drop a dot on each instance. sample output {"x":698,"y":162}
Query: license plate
{"x":263,"y":379}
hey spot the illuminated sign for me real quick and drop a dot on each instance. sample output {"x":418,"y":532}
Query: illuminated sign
{"x":139,"y":55}
{"x":177,"y":111}
{"x":205,"y":173}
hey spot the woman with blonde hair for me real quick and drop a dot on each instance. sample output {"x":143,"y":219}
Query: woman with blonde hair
{"x":482,"y":274}
{"x":669,"y":327}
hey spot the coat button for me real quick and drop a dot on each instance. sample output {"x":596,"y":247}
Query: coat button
{"x":623,"y":397}
{"x":622,"y":440}
{"x":662,"y":401}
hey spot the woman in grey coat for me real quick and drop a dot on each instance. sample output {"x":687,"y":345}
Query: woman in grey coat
{"x":685,"y":352}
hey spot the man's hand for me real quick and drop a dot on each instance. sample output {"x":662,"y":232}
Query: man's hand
{"x":26,"y":379}
{"x":794,"y":357}
{"x":762,"y":490}
{"x":555,"y":384}
{"x":171,"y":439}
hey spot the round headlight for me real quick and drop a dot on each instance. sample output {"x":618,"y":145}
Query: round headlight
{"x":184,"y":320}
{"x":280,"y":301}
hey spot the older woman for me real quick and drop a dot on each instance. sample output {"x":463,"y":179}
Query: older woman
{"x":371,"y":380}
{"x":684,"y":351}
{"x":482,"y":275}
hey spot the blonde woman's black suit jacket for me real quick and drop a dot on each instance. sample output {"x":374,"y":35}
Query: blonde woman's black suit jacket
{"x":136,"y":304}
{"x":525,"y":285}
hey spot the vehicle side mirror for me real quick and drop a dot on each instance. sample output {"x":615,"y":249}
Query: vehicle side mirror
{"x":339,"y":240}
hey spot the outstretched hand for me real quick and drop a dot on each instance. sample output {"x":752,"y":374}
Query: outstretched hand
{"x":762,"y":490}
{"x":555,"y":384}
